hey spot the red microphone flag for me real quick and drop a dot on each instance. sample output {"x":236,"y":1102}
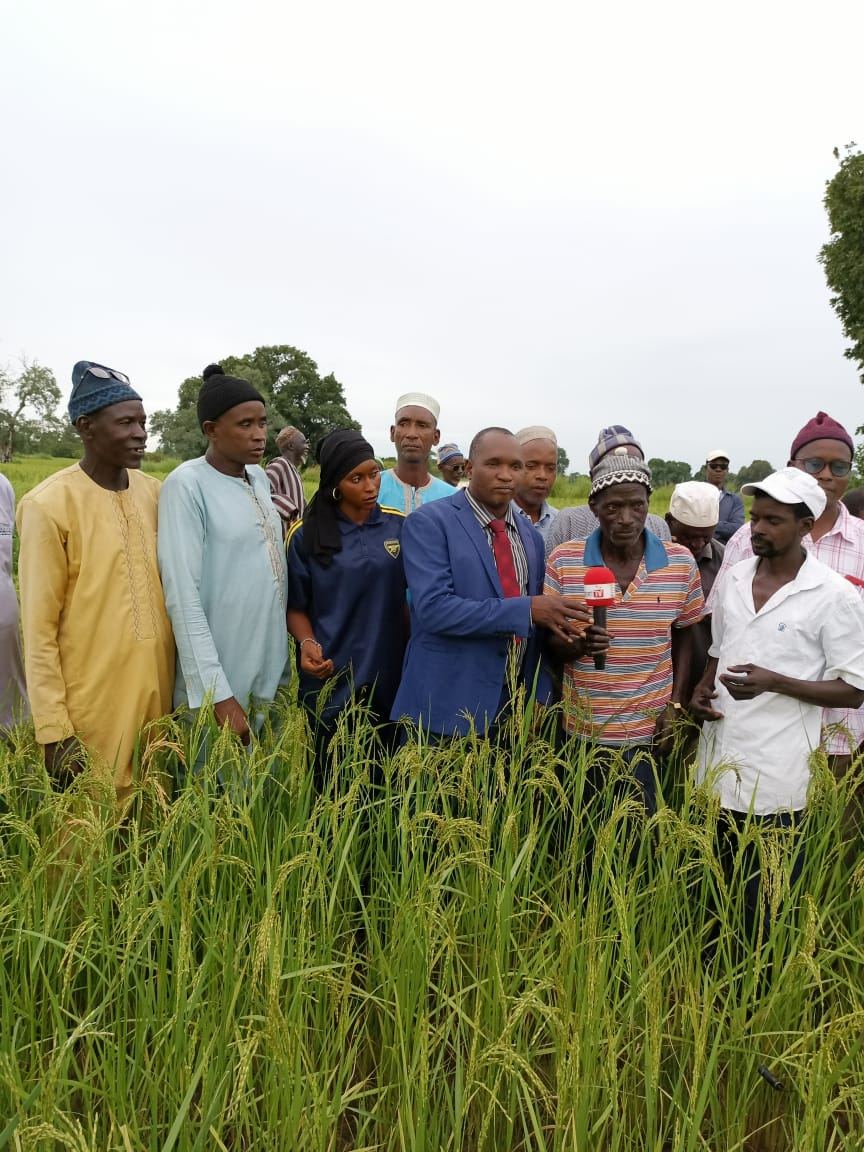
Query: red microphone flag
{"x":599,"y":588}
{"x":600,"y":585}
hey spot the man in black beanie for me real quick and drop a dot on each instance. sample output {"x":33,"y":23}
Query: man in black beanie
{"x":223,"y":563}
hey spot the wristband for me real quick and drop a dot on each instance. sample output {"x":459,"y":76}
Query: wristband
{"x":309,"y":640}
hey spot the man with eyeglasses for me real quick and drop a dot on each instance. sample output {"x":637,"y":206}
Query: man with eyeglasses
{"x":731,"y":504}
{"x":823,"y":449}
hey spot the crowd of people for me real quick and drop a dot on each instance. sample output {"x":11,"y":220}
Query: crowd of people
{"x":434,"y":601}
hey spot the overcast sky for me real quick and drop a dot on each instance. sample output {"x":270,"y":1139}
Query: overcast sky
{"x":554,"y":213}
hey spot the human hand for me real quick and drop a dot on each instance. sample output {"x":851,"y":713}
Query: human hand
{"x":700,"y":704}
{"x":747,"y":681}
{"x":564,"y":616}
{"x":64,"y":760}
{"x":596,"y":640}
{"x":663,"y":735}
{"x":312,"y":661}
{"x":229,"y":713}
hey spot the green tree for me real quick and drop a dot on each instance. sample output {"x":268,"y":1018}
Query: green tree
{"x":29,"y":407}
{"x":753,"y":473}
{"x":843,"y":256}
{"x":668,"y":471}
{"x":293,"y":388}
{"x":178,"y":431}
{"x":563,"y":462}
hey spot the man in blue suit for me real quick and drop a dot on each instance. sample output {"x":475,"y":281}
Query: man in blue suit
{"x":475,"y":572}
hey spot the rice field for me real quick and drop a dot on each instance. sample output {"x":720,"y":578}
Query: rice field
{"x":416,"y":959}
{"x":449,"y":951}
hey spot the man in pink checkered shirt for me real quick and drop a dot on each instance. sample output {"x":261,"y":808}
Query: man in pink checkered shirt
{"x":824,"y":449}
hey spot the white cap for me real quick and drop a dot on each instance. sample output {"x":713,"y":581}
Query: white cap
{"x":419,"y":400}
{"x":717,"y":454}
{"x":695,"y":504}
{"x":790,"y":486}
{"x":536,"y":432}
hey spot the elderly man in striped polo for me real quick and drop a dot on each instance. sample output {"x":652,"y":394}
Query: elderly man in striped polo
{"x":286,"y":486}
{"x":625,"y":708}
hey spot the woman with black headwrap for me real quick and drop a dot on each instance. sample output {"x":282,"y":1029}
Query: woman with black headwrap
{"x":346,"y":593}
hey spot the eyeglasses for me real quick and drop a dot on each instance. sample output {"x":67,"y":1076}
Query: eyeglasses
{"x":718,"y":467}
{"x":107,"y":374}
{"x":815,"y":465}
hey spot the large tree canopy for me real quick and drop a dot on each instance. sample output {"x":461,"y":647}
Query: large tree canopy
{"x":289,"y":379}
{"x":843,"y":256}
{"x":28,"y":413}
{"x":754,"y":472}
{"x":668,"y":471}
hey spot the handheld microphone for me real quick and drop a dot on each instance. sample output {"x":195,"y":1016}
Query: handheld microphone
{"x":599,"y":595}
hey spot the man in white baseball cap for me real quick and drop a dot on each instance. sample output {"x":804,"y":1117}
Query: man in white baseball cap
{"x":731,"y":505}
{"x":415,"y":433}
{"x":805,"y":623}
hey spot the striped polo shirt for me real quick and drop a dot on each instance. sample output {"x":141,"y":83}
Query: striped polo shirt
{"x":620,"y":704}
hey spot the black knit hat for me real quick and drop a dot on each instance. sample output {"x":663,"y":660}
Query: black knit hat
{"x":220,"y":392}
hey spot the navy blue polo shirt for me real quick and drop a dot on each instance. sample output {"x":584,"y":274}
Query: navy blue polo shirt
{"x":357,"y":610}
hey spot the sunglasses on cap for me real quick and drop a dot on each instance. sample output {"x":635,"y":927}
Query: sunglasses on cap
{"x":107,"y":374}
{"x":814,"y":465}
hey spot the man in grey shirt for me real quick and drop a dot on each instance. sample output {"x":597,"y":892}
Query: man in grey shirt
{"x":578,"y":523}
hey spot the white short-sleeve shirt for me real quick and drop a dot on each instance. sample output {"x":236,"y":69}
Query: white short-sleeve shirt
{"x":811,"y":629}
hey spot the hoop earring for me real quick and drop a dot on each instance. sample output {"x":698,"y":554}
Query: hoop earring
{"x":336,"y":495}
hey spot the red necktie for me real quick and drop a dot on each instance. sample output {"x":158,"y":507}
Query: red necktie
{"x":503,"y":554}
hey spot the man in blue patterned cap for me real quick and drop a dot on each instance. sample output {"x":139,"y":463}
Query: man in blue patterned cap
{"x":605,"y":457}
{"x":97,"y":641}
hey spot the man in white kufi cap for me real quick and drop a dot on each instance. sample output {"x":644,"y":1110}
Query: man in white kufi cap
{"x":415,"y":433}
{"x":539,"y":468}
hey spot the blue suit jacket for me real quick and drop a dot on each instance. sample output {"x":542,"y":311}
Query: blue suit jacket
{"x":461,"y":624}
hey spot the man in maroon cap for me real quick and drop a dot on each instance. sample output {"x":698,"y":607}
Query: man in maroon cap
{"x":824,"y":449}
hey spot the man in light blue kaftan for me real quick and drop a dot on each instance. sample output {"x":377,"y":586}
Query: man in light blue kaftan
{"x":223,"y":564}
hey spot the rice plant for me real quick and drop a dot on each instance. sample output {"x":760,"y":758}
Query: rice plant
{"x":446,"y":951}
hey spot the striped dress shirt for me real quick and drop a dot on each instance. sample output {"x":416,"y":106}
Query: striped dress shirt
{"x":286,"y":491}
{"x":485,"y":518}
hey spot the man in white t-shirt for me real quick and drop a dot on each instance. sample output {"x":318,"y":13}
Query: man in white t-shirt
{"x":805,"y":626}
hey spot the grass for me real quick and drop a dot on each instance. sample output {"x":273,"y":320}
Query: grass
{"x":26,"y":471}
{"x":418,"y":964}
{"x":415,"y":960}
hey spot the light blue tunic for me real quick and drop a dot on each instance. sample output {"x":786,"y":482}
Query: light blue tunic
{"x":224,"y":573}
{"x":394,"y":493}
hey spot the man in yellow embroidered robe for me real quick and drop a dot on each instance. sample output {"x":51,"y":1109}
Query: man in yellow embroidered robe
{"x":98,"y":646}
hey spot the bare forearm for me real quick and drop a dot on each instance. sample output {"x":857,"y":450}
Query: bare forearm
{"x":709,"y":676}
{"x":299,"y":625}
{"x":682,"y":662}
{"x":824,"y":693}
